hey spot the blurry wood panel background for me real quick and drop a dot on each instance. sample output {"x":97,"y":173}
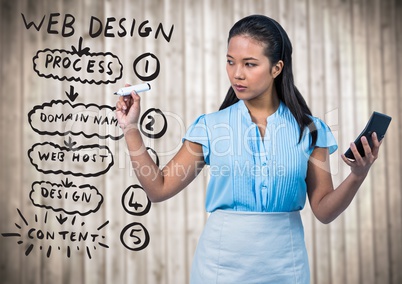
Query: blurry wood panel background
{"x":346,"y":61}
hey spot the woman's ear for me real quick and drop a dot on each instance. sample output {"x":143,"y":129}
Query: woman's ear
{"x":277,"y":68}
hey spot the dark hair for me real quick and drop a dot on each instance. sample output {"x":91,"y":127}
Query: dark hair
{"x":277,"y":47}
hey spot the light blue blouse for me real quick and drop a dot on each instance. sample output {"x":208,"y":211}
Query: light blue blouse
{"x":253,"y":173}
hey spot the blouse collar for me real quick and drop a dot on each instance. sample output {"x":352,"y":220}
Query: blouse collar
{"x":244,"y":110}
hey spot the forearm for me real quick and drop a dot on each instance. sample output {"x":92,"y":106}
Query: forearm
{"x":148,"y":173}
{"x":336,"y":201}
{"x":327,"y":203}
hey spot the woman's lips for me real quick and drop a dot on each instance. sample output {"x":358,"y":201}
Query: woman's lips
{"x":239,"y":88}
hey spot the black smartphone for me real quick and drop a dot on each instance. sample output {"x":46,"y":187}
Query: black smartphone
{"x":377,"y":123}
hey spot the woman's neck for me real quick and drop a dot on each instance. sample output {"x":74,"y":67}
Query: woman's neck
{"x":263,"y":106}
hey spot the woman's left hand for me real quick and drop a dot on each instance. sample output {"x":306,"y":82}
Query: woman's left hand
{"x":361,"y":165}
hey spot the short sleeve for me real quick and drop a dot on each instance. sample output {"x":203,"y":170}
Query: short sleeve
{"x":325,"y":138}
{"x":198,"y":133}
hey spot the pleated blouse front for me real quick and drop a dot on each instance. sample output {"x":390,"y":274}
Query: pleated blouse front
{"x":253,"y":173}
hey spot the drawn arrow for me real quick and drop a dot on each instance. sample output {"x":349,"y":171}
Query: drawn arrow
{"x":72,"y":95}
{"x":70,"y":144}
{"x":61,"y":219}
{"x":80,"y":51}
{"x":66,"y":183}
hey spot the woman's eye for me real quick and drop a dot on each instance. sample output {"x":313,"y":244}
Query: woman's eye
{"x":248,"y":64}
{"x":230,"y":62}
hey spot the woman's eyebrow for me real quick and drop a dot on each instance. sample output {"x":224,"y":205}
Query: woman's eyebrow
{"x":244,"y":59}
{"x":250,"y":58}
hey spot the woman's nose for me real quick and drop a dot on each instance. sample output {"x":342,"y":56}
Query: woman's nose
{"x":239,"y":75}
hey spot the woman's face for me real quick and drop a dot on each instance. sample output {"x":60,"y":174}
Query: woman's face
{"x":248,"y":68}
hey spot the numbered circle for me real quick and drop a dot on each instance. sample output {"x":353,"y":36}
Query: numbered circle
{"x":147,"y":67}
{"x":153,"y":123}
{"x":135,"y":201}
{"x":135,"y":237}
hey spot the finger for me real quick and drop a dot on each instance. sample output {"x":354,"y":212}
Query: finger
{"x":374,"y":137}
{"x":119,"y":106}
{"x":356,"y":154}
{"x":347,"y":161}
{"x":376,"y":144}
{"x":366,"y":146}
{"x":134,"y":95}
{"x":134,"y":104}
{"x":128,"y":101}
{"x":135,"y":98}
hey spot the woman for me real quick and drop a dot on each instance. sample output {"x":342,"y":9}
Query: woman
{"x":266,"y":153}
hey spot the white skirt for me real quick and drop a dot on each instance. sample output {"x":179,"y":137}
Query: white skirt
{"x":251,"y":247}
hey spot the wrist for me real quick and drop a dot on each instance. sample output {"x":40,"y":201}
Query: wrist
{"x":359,"y":177}
{"x":130,"y":128}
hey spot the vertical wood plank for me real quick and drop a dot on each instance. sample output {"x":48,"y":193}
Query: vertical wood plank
{"x":53,"y":268}
{"x":196,"y":13}
{"x":32,"y":92}
{"x":3,"y":202}
{"x":347,"y":121}
{"x":161,"y":239}
{"x":321,"y":268}
{"x":361,"y":90}
{"x":114,"y":263}
{"x":330,"y":114}
{"x":300,"y":38}
{"x":11,"y":149}
{"x":398,"y":215}
{"x":175,"y":207}
{"x":125,"y":265}
{"x":391,"y":149}
{"x":378,"y":172}
{"x":93,"y":254}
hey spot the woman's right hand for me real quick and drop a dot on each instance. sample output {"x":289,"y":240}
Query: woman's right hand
{"x":128,"y":110}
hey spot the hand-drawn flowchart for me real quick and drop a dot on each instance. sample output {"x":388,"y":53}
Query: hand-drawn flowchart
{"x":64,"y":200}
